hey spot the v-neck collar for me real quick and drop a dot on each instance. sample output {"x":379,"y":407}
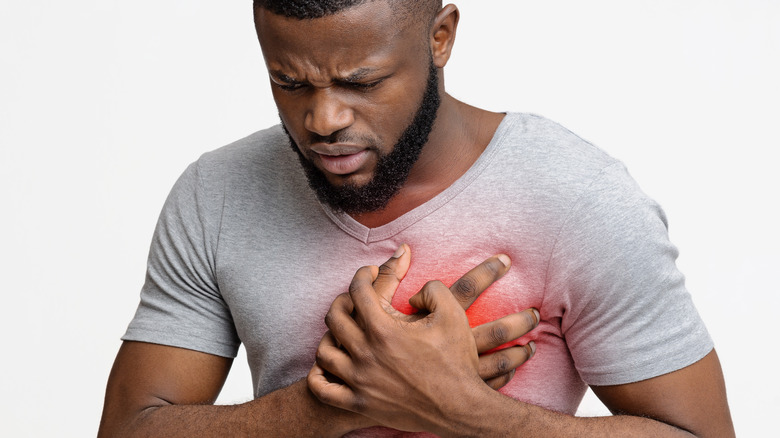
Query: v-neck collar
{"x":371,"y":235}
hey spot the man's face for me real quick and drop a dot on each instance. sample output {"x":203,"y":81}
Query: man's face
{"x":357,"y":96}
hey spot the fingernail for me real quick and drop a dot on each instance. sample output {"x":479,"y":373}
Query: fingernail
{"x":538,"y":317}
{"x":505,"y":259}
{"x":532,"y":344}
{"x":399,"y":252}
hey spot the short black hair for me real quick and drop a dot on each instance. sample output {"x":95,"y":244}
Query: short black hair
{"x":417,"y":10}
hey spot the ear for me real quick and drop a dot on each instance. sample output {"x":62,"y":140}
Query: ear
{"x":443,"y":34}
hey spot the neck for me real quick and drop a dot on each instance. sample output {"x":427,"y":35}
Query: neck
{"x":459,"y":136}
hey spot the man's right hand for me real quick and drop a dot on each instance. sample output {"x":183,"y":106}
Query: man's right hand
{"x":496,"y":368}
{"x":393,"y":347}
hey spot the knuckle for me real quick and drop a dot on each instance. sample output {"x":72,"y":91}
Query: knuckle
{"x":466,"y":288}
{"x":386,"y":270}
{"x":330,"y":319}
{"x":502,"y":363}
{"x":498,"y":334}
{"x":358,"y":405}
{"x":321,"y":358}
{"x":353,"y":288}
{"x":378,"y":333}
{"x":433,"y":284}
{"x":344,"y":302}
{"x":320,"y":392}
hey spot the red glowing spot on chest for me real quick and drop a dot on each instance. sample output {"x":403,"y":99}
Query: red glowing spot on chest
{"x":496,"y":301}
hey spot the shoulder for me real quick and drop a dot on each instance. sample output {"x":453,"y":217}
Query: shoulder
{"x":257,"y":153}
{"x":544,"y":164}
{"x":546,"y":147}
{"x":247,"y":169}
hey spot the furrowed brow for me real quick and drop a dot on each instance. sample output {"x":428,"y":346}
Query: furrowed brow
{"x":283,"y":77}
{"x":355,"y":76}
{"x":359,"y":74}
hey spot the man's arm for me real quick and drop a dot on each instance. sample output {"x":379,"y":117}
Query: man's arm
{"x":690,"y":402}
{"x":686,"y":403}
{"x":693,"y":398}
{"x":156,"y":390}
{"x":435,"y":356}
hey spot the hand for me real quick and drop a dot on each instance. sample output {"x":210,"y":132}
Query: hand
{"x":496,"y":368}
{"x":406,"y":370}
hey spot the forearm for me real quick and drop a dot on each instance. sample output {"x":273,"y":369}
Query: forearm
{"x":499,"y":415}
{"x":291,"y":411}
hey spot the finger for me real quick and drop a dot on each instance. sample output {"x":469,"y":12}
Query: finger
{"x":332,"y":393}
{"x":435,"y":296}
{"x":332,"y":359}
{"x":499,"y":332}
{"x":367,"y":303}
{"x":500,"y":381}
{"x":392,"y":272}
{"x":474,"y":282}
{"x":504,"y":361}
{"x":344,"y":329}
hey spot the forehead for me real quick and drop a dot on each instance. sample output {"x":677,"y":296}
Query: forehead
{"x":368,"y":35}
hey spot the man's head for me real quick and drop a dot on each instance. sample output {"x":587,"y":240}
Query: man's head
{"x":418,"y":10}
{"x":357,"y":88}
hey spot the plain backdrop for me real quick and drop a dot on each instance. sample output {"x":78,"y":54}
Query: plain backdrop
{"x":103,"y":103}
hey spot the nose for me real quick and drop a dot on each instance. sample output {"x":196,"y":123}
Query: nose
{"x":327,"y":113}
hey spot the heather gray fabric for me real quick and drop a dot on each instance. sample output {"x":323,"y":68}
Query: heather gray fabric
{"x":243,"y":252}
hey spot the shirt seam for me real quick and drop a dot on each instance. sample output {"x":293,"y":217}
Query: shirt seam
{"x":577,"y":202}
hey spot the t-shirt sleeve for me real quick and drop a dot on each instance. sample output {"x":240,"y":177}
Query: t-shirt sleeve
{"x":628,"y":315}
{"x":181,"y":304}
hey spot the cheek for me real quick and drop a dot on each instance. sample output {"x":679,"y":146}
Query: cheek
{"x":384,"y":118}
{"x":290,"y":110}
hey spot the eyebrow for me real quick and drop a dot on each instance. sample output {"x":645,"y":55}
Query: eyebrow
{"x":355,"y":76}
{"x":282,"y":77}
{"x":359,"y":74}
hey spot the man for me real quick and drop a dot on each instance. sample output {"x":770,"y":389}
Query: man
{"x":250,"y":249}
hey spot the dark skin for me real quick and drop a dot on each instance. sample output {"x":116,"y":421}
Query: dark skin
{"x":326,"y":100}
{"x":435,"y":355}
{"x":166,"y":391}
{"x":156,"y":390}
{"x":318,"y":67}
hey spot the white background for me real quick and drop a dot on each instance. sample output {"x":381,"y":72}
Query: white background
{"x":103,"y":103}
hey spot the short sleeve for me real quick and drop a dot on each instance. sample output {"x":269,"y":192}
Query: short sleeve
{"x":181,"y":304}
{"x":628,"y":316}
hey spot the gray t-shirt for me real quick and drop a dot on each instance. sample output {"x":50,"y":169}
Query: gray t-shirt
{"x":244,"y":252}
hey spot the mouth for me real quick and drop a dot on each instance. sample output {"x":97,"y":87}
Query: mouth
{"x":339,"y":159}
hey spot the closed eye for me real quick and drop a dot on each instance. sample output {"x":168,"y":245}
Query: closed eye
{"x":285,"y":82}
{"x":290,"y":87}
{"x":363,"y":86}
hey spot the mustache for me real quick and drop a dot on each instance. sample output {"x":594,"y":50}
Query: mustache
{"x":342,"y":137}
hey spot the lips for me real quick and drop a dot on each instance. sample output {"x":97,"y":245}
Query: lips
{"x":344,"y":164}
{"x":341,"y":159}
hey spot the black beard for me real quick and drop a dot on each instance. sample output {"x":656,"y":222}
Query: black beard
{"x":392,"y":169}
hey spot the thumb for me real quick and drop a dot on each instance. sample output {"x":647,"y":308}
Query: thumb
{"x":392,"y":272}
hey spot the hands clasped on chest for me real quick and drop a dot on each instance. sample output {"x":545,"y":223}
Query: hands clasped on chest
{"x":423,"y":371}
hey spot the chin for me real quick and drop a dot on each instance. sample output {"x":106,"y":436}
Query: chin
{"x":352,"y":180}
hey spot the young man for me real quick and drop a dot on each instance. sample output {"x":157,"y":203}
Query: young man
{"x":250,"y":248}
